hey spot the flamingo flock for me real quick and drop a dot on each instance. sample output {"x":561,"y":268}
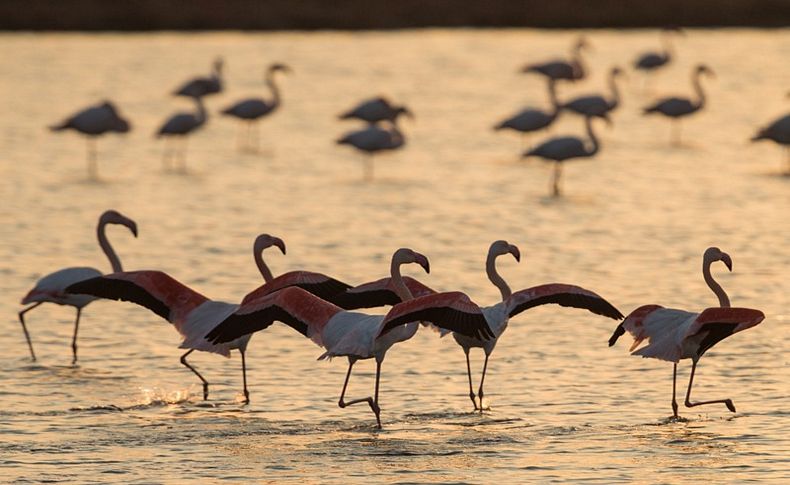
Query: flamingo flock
{"x":326,"y":311}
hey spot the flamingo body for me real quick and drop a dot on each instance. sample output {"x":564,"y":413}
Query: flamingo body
{"x":52,"y":287}
{"x":559,"y":149}
{"x":95,"y":120}
{"x":673,"y":107}
{"x":373,"y":139}
{"x":375,"y":110}
{"x":651,"y":60}
{"x":778,"y":131}
{"x":250,"y":109}
{"x":527,"y":120}
{"x":203,"y":86}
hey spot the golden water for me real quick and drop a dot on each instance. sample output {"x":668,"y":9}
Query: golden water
{"x":632,"y":226}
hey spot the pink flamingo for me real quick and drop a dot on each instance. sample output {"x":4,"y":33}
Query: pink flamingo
{"x":354,"y":335}
{"x":192,"y":313}
{"x":203,"y":86}
{"x":445,"y":309}
{"x":674,"y":334}
{"x":52,"y":287}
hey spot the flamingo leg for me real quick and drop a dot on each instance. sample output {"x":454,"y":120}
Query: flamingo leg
{"x":205,"y":382}
{"x":787,"y":151}
{"x":674,"y":387}
{"x":469,"y":374}
{"x":368,"y":168}
{"x":184,"y":143}
{"x":676,"y":132}
{"x":371,"y":402}
{"x":482,"y":379}
{"x":93,"y":172}
{"x":257,"y":146}
{"x":74,"y":338}
{"x":166,"y":154}
{"x":24,"y":328}
{"x":556,"y":179}
{"x":244,"y":377}
{"x":689,"y":404}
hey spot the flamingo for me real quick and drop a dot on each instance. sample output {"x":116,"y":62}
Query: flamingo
{"x":444,"y":309}
{"x":252,"y":109}
{"x":92,"y":122}
{"x":376,"y":109}
{"x":677,"y":108}
{"x":203,"y":86}
{"x":650,"y":61}
{"x":354,"y":335}
{"x":674,"y":334}
{"x":371,"y":140}
{"x":564,"y":148}
{"x":595,"y":105}
{"x":181,"y":125}
{"x":530,"y":119}
{"x":52,"y":288}
{"x":572,"y":70}
{"x":779,"y":132}
{"x":193,"y":314}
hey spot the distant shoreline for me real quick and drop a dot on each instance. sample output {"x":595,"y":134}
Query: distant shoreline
{"x":274,"y":15}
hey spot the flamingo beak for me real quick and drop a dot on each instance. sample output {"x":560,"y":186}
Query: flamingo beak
{"x":727,"y":260}
{"x":276,"y":241}
{"x":132,"y":227}
{"x":423,"y":261}
{"x":636,"y":343}
{"x":515,"y":252}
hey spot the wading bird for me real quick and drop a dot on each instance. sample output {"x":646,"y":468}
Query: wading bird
{"x":676,"y":108}
{"x":674,"y":334}
{"x":92,"y":122}
{"x":52,"y":288}
{"x":251,"y":110}
{"x":779,"y":132}
{"x":650,"y":61}
{"x":595,"y":105}
{"x":572,"y":70}
{"x":375,"y":110}
{"x":455,"y":308}
{"x":203,"y":86}
{"x":192,"y":314}
{"x":530,"y":119}
{"x":372,"y":140}
{"x":565,"y":148}
{"x":354,"y":335}
{"x":181,"y":125}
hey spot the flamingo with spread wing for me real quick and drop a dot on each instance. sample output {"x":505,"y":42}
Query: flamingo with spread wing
{"x":674,"y":334}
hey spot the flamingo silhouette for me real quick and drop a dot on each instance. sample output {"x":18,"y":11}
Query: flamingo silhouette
{"x":676,"y":108}
{"x":92,"y":122}
{"x":203,"y":86}
{"x":181,"y":125}
{"x":376,"y":109}
{"x":53,"y":288}
{"x":674,"y":334}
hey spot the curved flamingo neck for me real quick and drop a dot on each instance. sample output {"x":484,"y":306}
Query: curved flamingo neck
{"x":265,"y":271}
{"x":105,"y":245}
{"x":698,"y":89}
{"x":578,"y":60}
{"x":495,"y":278}
{"x":724,"y":300}
{"x":667,"y":45}
{"x":397,"y":281}
{"x":615,"y":91}
{"x":201,"y":110}
{"x":273,"y":87}
{"x":594,"y":139}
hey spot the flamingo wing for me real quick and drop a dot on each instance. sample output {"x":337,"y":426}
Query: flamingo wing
{"x":155,"y":290}
{"x":379,"y":293}
{"x":451,"y":311}
{"x":664,"y":329}
{"x":320,"y":285}
{"x":295,"y":307}
{"x":563,"y":295}
{"x":719,"y":323}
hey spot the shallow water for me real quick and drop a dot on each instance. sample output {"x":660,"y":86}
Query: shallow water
{"x":631,"y":226}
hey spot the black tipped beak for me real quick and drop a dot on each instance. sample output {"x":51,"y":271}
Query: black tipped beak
{"x":280,"y":244}
{"x":516,"y":253}
{"x":616,"y":335}
{"x":727,"y":261}
{"x":427,"y":267}
{"x":133,"y":228}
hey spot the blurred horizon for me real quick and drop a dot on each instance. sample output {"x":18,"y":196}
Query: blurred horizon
{"x":146,"y":15}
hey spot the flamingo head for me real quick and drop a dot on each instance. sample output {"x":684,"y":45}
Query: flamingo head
{"x":617,"y":71}
{"x":218,"y":63}
{"x":264,"y":241}
{"x":277,"y":66}
{"x":715,"y":254}
{"x":704,"y":69}
{"x":581,"y":43}
{"x":500,"y":247}
{"x":403,"y":110}
{"x":115,"y":217}
{"x":406,"y":255}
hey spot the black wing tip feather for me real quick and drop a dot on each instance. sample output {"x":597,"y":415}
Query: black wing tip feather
{"x":120,"y":290}
{"x":618,"y":332}
{"x":236,"y":326}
